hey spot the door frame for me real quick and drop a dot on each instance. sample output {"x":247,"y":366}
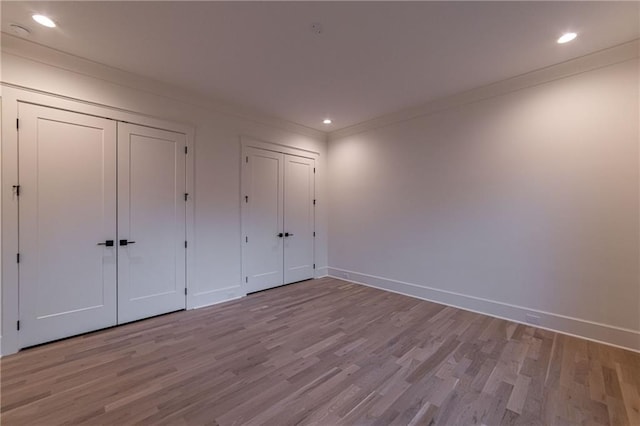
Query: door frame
{"x":252,"y":142}
{"x":9,"y":278}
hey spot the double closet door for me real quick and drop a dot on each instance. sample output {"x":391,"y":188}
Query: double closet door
{"x":277,"y":218}
{"x":101,"y":223}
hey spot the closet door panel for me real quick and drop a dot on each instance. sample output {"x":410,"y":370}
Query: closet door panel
{"x":151,"y":222}
{"x":298,"y":218}
{"x":262,"y":211}
{"x":67,"y":207}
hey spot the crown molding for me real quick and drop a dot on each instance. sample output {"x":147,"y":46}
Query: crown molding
{"x":606,"y":57}
{"x":38,"y":53}
{"x":15,"y":46}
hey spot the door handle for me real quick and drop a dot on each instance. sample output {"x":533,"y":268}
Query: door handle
{"x":108,"y":243}
{"x":286,"y":234}
{"x":280,"y":235}
{"x":126,"y":242}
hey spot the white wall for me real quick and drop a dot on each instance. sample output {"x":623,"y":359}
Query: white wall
{"x":526,"y":202}
{"x":216,"y":249}
{"x":521,"y":203}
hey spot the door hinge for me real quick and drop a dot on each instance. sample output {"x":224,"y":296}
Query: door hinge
{"x":16,"y":190}
{"x":246,"y":279}
{"x":246,"y":159}
{"x":246,"y":198}
{"x":185,"y":291}
{"x":186,"y":196}
{"x":186,"y":150}
{"x":314,"y":233}
{"x":17,"y":123}
{"x":185,"y":244}
{"x":18,"y":325}
{"x":314,"y":170}
{"x":246,"y":239}
{"x":314,"y":202}
{"x":314,"y":266}
{"x":17,"y":257}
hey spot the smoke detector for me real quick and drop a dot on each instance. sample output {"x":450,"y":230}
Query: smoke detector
{"x":316,"y":27}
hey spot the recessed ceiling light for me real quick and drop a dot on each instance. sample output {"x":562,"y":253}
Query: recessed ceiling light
{"x":327,"y":121}
{"x":567,"y":37}
{"x":20,"y":30}
{"x":44,"y":20}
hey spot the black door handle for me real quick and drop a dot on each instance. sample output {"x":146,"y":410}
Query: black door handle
{"x":286,"y":234}
{"x":126,"y":242}
{"x":280,"y":235}
{"x":108,"y":243}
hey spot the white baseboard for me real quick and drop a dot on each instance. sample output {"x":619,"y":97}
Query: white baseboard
{"x":598,"y":332}
{"x":321,"y":272}
{"x":213,"y":297}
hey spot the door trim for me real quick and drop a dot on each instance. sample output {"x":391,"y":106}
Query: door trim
{"x":249,"y":141}
{"x":252,"y":142}
{"x":9,"y":211}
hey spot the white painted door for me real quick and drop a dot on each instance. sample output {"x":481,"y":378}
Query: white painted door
{"x":298,"y":218}
{"x":277,"y":218}
{"x":262,"y":221}
{"x":151,"y":222}
{"x":67,"y":207}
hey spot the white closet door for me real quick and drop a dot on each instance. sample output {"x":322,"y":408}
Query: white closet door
{"x":298,"y":218}
{"x":262,"y":247}
{"x":151,"y":222}
{"x":67,"y":206}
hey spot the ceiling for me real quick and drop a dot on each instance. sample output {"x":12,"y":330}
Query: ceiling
{"x":371,"y":58}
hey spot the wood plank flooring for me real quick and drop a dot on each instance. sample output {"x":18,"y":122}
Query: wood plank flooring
{"x":322,"y":352}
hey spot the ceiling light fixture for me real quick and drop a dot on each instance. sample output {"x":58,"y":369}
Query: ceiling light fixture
{"x":44,"y":20}
{"x":567,"y":37}
{"x":327,"y":121}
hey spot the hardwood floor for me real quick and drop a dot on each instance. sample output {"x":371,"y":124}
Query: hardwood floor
{"x":322,"y":352}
